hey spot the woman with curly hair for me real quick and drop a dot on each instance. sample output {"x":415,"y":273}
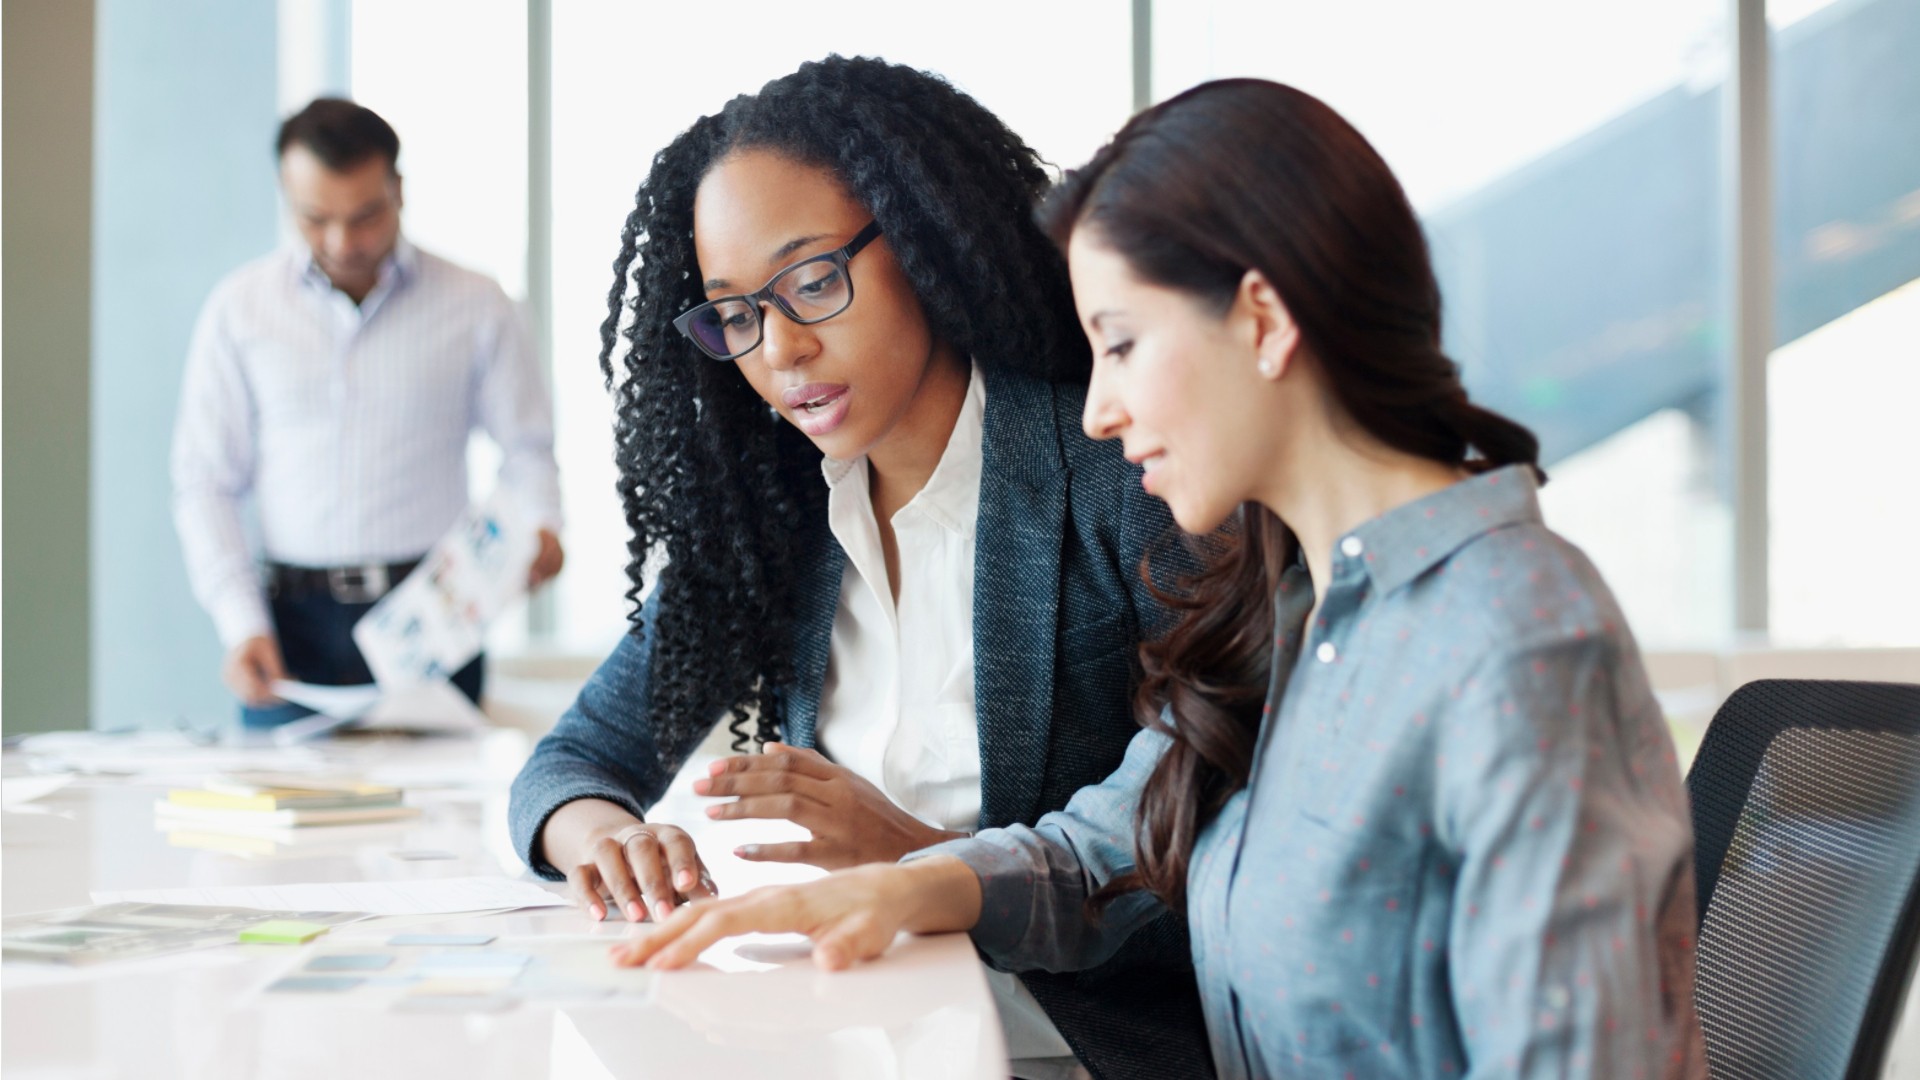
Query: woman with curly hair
{"x":848,"y":381}
{"x":1401,"y":766}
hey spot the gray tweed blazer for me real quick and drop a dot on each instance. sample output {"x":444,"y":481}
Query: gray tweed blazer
{"x":1059,"y":610}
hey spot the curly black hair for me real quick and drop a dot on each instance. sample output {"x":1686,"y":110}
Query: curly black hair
{"x":713,"y":477}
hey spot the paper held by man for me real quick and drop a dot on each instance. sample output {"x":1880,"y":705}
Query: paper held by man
{"x":426,"y":629}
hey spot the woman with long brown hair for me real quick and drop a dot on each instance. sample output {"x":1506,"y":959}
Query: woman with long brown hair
{"x":1401,"y":766}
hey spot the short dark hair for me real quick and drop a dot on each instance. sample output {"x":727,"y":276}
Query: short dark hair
{"x":340,"y":133}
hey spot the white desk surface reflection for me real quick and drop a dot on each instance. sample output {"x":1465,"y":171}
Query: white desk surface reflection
{"x":757,"y":1006}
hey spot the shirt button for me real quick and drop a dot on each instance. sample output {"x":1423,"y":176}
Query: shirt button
{"x":1351,"y":547}
{"x":1326,"y":652}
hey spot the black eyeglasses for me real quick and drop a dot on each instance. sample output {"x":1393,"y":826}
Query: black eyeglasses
{"x":812,"y":290}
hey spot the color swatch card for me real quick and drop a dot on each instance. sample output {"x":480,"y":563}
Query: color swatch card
{"x":455,"y":978}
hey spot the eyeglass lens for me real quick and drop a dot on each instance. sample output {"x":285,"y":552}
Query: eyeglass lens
{"x":807,"y":291}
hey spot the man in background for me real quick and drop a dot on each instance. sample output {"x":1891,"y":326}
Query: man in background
{"x":334,"y":383}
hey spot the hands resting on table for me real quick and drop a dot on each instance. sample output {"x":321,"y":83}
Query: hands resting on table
{"x":651,"y":868}
{"x":851,"y":915}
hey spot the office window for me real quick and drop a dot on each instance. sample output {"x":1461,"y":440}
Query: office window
{"x":627,"y":79}
{"x":1564,"y":159}
{"x":453,"y":83}
{"x":454,"y":86}
{"x":1843,"y":382}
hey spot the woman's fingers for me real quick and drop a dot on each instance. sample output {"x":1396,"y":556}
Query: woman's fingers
{"x":777,"y":759}
{"x":850,"y":916}
{"x":807,"y":754}
{"x":799,"y":851}
{"x":645,"y":854}
{"x":583,"y":884}
{"x":616,"y":876}
{"x":859,"y":936}
{"x":690,"y":878}
{"x":786,"y":806}
{"x":762,"y":782}
{"x":680,"y":940}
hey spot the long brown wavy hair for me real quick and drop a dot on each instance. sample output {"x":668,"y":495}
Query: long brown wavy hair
{"x":1245,"y":174}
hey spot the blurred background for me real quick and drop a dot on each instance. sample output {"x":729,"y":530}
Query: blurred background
{"x":1688,"y":255}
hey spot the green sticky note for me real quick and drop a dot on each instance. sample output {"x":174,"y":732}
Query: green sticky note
{"x":282,"y":932}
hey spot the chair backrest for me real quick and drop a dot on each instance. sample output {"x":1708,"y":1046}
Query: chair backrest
{"x":1806,"y":817}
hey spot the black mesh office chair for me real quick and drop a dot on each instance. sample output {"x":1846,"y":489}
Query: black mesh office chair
{"x":1806,"y":815}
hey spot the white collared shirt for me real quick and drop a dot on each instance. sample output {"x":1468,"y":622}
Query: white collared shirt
{"x":347,"y":425}
{"x":897,"y":704}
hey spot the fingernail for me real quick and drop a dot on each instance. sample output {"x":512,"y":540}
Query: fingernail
{"x":661,"y":910}
{"x":597,"y":912}
{"x":747,"y":851}
{"x":684,"y":879}
{"x":713,"y":811}
{"x":700,"y":787}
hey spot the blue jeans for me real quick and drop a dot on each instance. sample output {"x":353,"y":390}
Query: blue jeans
{"x":316,"y":644}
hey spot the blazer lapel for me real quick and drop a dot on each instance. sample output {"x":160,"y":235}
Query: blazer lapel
{"x":816,"y":595}
{"x":1016,"y":594}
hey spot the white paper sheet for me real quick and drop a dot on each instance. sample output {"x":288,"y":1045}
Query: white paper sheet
{"x":429,"y":626}
{"x":435,"y":896}
{"x":158,"y":757}
{"x":341,"y":702}
{"x":19,"y":790}
{"x":435,"y":705}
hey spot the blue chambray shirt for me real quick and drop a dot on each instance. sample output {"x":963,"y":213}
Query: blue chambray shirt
{"x":1464,"y":850}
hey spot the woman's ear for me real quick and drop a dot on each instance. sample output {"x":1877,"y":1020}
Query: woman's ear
{"x":1276,"y":337}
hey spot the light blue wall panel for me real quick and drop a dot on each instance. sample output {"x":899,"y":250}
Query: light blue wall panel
{"x":183,"y":192}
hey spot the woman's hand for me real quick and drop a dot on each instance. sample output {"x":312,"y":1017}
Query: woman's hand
{"x":851,"y":916}
{"x":608,"y":854}
{"x":851,"y":820}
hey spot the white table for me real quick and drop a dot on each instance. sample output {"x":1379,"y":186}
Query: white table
{"x":758,"y":1008}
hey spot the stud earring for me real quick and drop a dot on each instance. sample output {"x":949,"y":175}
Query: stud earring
{"x":1269,"y":368}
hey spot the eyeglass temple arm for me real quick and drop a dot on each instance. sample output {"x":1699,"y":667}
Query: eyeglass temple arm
{"x":861,"y":239}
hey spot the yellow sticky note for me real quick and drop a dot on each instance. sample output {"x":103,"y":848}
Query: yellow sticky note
{"x":282,"y":932}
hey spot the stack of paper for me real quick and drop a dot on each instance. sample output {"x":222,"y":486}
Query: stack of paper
{"x":267,"y":802}
{"x":290,"y":841}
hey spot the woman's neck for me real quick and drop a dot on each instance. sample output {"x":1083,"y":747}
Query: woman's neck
{"x":900,"y":465}
{"x":1331,"y":486}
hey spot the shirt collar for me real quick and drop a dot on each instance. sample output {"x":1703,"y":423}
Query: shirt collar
{"x":952,"y":495}
{"x":1409,"y":540}
{"x":399,"y":267}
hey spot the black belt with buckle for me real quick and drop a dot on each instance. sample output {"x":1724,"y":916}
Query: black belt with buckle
{"x":346,"y":584}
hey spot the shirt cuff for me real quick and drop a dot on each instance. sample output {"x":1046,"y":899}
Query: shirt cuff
{"x":241,"y":616}
{"x":1006,"y":895}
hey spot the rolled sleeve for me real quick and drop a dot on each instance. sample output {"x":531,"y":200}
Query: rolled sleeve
{"x":1034,"y":882}
{"x":213,"y":471}
{"x":516,"y":411}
